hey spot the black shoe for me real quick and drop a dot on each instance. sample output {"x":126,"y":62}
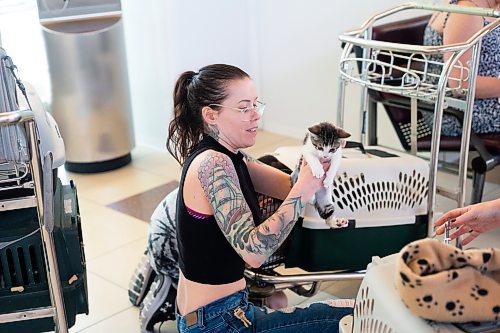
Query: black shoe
{"x":141,"y":280}
{"x":159,"y":303}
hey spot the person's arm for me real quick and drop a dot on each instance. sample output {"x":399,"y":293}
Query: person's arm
{"x":220,"y":184}
{"x":269,"y":180}
{"x":459,"y":28}
{"x":487,"y":87}
{"x":473,"y":219}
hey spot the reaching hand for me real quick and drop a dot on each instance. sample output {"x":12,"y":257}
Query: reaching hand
{"x":473,"y":219}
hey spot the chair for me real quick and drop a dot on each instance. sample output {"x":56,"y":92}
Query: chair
{"x":487,"y":146}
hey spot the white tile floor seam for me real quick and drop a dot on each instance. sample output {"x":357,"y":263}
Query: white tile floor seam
{"x":114,"y":266}
{"x":114,"y":241}
{"x":137,"y":181}
{"x":97,"y":323}
{"x":114,"y":249}
{"x":105,"y":300}
{"x":116,"y":323}
{"x":109,"y":280}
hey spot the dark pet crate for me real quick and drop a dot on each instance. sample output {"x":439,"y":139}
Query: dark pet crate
{"x":23,"y":278}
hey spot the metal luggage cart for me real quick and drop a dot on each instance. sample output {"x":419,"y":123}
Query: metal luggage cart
{"x":262,"y":282}
{"x":403,"y":70}
{"x":34,"y":210}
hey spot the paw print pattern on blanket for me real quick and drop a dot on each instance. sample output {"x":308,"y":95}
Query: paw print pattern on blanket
{"x":437,"y":281}
{"x":410,"y":253}
{"x":459,"y":258}
{"x":455,"y":308}
{"x":452,"y":275}
{"x":478,"y":292}
{"x":406,"y":281}
{"x":486,"y":260}
{"x":496,"y":312}
{"x":426,"y":268}
{"x":427,"y":301}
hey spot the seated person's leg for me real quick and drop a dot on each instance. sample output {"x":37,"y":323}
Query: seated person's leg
{"x":162,"y":241}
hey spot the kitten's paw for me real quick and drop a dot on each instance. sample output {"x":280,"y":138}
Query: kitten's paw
{"x":335,"y":222}
{"x":342,"y":223}
{"x":317,"y":172}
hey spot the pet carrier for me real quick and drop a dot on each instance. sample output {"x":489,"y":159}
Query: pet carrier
{"x":42,"y":263}
{"x":380,"y":308}
{"x":383,"y":195}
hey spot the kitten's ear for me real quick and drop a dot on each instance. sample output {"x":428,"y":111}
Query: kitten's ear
{"x":315,"y":129}
{"x":342,"y":134}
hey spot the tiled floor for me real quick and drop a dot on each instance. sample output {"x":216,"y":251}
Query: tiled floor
{"x":114,"y":241}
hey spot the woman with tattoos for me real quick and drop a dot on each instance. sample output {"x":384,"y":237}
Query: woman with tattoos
{"x":219,"y":229}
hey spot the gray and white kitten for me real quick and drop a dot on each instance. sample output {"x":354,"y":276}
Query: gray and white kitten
{"x":324,"y":141}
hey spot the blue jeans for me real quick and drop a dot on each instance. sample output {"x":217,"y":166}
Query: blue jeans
{"x":235,"y":313}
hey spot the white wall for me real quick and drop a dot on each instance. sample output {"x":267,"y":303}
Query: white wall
{"x":145,"y":29}
{"x":165,"y":38}
{"x":22,"y":40}
{"x":289,"y":47}
{"x":300,"y":53}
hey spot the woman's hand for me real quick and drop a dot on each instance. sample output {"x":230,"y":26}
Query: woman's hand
{"x":307,"y":184}
{"x":472,"y":220}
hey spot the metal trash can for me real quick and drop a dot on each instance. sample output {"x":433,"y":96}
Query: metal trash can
{"x":90,"y":90}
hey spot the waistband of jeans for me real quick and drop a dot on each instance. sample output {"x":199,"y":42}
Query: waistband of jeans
{"x":221,"y":305}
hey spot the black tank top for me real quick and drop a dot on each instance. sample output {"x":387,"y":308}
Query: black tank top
{"x":205,"y":255}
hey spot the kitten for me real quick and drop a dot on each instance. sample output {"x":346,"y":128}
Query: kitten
{"x":324,"y":141}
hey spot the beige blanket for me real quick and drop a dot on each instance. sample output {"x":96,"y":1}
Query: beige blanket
{"x":440,"y":282}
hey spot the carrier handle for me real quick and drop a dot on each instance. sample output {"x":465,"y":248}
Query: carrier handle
{"x":9,"y":64}
{"x":355,"y":144}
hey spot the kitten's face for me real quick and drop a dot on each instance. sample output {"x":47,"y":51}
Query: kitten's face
{"x":326,"y":138}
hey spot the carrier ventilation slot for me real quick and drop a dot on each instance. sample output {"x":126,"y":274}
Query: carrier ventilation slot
{"x":363,"y":315}
{"x":354,"y":193}
{"x":22,"y":266}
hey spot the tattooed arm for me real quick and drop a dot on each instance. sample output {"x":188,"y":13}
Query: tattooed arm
{"x":254,"y":244}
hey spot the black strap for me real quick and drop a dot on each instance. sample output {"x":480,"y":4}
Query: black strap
{"x":8,"y":63}
{"x":355,"y":144}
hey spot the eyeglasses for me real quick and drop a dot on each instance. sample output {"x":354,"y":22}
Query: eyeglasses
{"x":258,"y":107}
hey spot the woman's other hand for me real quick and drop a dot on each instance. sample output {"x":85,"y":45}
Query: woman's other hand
{"x":472,"y":220}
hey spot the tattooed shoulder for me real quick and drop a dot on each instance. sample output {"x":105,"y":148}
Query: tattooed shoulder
{"x":212,"y":166}
{"x":222,"y":189}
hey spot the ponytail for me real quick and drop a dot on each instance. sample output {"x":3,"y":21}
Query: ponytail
{"x":186,"y":128}
{"x":192,"y":92}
